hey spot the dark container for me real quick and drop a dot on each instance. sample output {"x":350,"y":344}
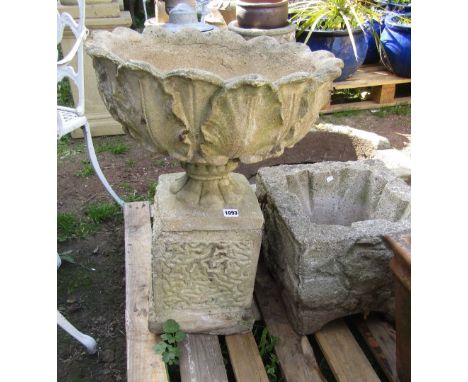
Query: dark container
{"x":339,"y":43}
{"x":262,"y":15}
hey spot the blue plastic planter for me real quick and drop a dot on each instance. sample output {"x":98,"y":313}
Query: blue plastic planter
{"x":396,"y":40}
{"x":391,"y":6}
{"x":339,"y":43}
{"x":372,"y":55}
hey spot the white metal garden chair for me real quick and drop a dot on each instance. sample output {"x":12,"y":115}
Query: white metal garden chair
{"x":72,"y":118}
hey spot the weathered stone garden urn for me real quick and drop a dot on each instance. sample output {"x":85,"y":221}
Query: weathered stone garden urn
{"x":211,"y":100}
{"x":323,"y":241}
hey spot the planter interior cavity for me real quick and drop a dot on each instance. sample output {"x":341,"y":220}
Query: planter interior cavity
{"x":341,"y":197}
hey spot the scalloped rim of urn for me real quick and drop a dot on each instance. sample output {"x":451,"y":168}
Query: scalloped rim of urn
{"x":325,"y":65}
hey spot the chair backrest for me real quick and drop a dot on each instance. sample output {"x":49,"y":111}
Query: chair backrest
{"x":64,"y":66}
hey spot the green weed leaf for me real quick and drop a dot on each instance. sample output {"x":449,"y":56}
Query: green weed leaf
{"x":170,"y":326}
{"x":179,"y":336}
{"x":160,"y":347}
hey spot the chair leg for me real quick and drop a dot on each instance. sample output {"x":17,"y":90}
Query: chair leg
{"x":95,"y":163}
{"x":88,"y":342}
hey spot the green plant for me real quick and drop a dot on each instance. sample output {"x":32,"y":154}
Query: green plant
{"x":70,"y":227}
{"x":130,"y":163}
{"x":101,"y":212}
{"x":114,"y":148}
{"x":134,"y":197}
{"x":392,"y":110}
{"x":66,"y":256}
{"x":169,"y":346}
{"x":86,"y":169}
{"x":403,"y":19}
{"x":65,"y":149}
{"x":152,"y":190}
{"x":311,"y":15}
{"x":158,"y":162}
{"x":266,"y":347}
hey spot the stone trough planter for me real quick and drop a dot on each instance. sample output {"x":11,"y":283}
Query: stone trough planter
{"x":323,"y":237}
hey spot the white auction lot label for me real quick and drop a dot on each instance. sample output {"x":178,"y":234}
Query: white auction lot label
{"x":231,"y":213}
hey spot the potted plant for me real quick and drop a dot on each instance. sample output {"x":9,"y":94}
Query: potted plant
{"x":396,"y":43}
{"x":397,"y":6}
{"x":373,"y":35}
{"x":337,"y":26}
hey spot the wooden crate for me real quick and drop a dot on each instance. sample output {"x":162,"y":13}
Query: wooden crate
{"x":201,"y":358}
{"x":382,"y":83}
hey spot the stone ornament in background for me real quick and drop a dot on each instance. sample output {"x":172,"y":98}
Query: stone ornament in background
{"x":323,"y":237}
{"x":223,"y":100}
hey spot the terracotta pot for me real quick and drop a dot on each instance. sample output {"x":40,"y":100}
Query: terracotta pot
{"x":262,"y":15}
{"x":401,"y":268}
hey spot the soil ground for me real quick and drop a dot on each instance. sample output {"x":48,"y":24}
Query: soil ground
{"x":94,"y":300}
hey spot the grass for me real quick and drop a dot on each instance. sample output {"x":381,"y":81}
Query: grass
{"x":130,"y":163}
{"x":132,"y":195}
{"x":64,"y":94}
{"x":378,"y":112}
{"x":65,"y":149}
{"x":103,"y":212}
{"x":69,"y":226}
{"x":114,"y":148}
{"x":393,"y":110}
{"x":86,"y":169}
{"x":152,"y":190}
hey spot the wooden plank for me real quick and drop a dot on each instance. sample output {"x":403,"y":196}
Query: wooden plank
{"x":346,"y":359}
{"x":295,"y":354}
{"x":364,"y":105}
{"x":381,"y":338}
{"x":368,"y":76}
{"x":201,"y":359}
{"x":383,"y":94}
{"x":245,"y":359}
{"x":143,"y":364}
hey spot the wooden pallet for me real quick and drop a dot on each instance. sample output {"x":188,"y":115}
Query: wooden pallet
{"x":383,"y":86}
{"x":201,"y":358}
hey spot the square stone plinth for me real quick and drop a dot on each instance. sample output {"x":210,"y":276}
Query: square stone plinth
{"x":324,"y":225}
{"x":203,"y":263}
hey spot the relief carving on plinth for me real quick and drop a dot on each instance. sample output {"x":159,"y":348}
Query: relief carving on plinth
{"x":204,"y":274}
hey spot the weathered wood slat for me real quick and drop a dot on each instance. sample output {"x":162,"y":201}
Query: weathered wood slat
{"x":201,"y":359}
{"x":346,"y":359}
{"x":143,"y":364}
{"x":381,"y":338}
{"x":370,"y":75}
{"x":294,"y":352}
{"x":383,"y":94}
{"x":245,"y":359}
